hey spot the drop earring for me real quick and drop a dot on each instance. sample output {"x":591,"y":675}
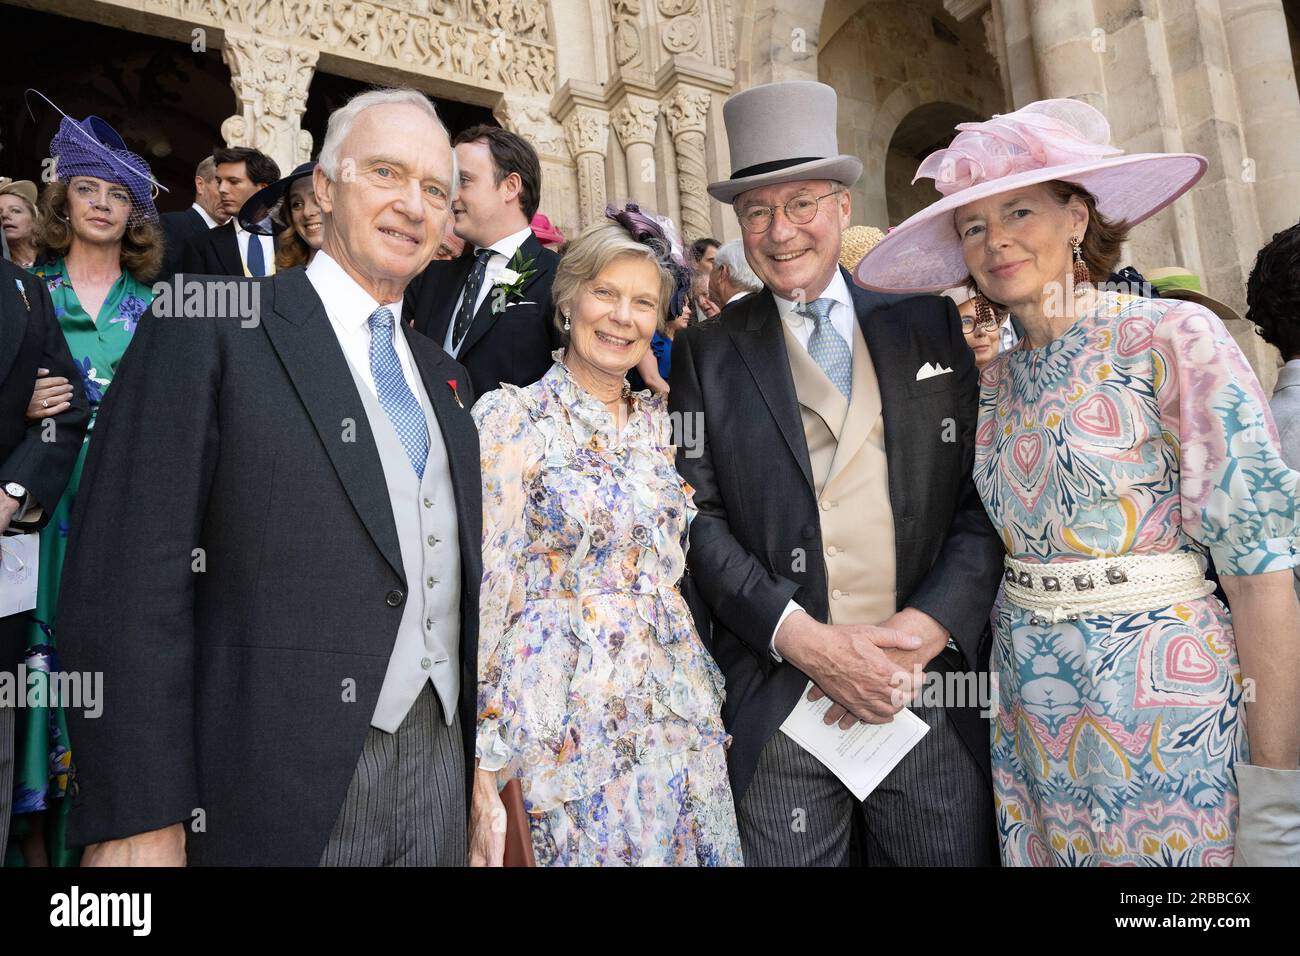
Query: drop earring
{"x":983,"y":311}
{"x":566,"y":322}
{"x":1081,"y":275}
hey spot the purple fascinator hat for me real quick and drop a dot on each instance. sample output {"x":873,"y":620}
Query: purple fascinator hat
{"x":91,"y":147}
{"x":660,"y":235}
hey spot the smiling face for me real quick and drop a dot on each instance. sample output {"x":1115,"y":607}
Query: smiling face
{"x":384,"y":220}
{"x":615,"y":316}
{"x":304,"y":212}
{"x":97,"y":210}
{"x":485,"y":209}
{"x":234,"y":187}
{"x":794,"y":260}
{"x":1017,"y":245}
{"x":16,"y":218}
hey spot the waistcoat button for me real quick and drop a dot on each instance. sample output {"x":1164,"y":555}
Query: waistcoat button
{"x":394,"y":597}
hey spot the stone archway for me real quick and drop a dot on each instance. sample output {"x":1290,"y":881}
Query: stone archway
{"x":921,"y":131}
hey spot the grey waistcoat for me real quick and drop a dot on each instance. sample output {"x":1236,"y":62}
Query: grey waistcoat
{"x":424,"y":511}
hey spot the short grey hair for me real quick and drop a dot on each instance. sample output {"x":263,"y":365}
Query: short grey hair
{"x":732,"y":255}
{"x":341,"y":120}
{"x":206,"y":169}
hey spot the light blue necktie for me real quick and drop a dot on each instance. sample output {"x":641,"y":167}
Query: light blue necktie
{"x":402,"y":407}
{"x":828,"y":348}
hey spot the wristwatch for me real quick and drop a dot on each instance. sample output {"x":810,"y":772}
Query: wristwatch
{"x":15,"y":491}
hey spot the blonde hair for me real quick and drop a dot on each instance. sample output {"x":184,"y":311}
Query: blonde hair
{"x":587,"y":256}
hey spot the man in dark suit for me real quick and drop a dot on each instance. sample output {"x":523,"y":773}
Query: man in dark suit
{"x":287,"y":626}
{"x":491,"y":308}
{"x":231,"y":250}
{"x":180,"y":227}
{"x":840,"y":544}
{"x":36,"y":457}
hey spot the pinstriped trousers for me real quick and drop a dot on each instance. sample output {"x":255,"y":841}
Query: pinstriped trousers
{"x":405,"y":805}
{"x":934,"y":809}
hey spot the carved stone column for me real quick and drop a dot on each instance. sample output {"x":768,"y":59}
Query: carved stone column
{"x":587,"y":132}
{"x":687,"y":110}
{"x":635,"y":124}
{"x":270,"y":79}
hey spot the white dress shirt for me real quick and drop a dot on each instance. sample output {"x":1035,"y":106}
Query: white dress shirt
{"x":268,"y":248}
{"x":842,"y":317}
{"x":349,"y":308}
{"x":212,"y":223}
{"x":505,"y":249}
{"x":740,"y":295}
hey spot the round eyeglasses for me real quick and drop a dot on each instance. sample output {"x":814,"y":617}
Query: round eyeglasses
{"x":800,"y":210}
{"x":969,"y":325}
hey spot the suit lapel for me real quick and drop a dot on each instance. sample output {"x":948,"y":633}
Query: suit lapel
{"x":227,"y":246}
{"x":761,"y":345}
{"x":13,"y":320}
{"x":485,"y":318}
{"x":446,"y":292}
{"x":301,"y":334}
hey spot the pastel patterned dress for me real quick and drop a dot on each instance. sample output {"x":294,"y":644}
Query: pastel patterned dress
{"x":44,"y":771}
{"x":594,"y":687}
{"x":1141,"y":430}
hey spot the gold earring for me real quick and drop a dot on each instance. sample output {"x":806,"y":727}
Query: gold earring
{"x":1081,"y":275}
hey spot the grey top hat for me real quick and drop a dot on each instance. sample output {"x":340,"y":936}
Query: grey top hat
{"x":783,"y":133}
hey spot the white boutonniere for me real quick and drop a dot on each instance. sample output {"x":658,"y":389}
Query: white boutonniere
{"x":511,"y":281}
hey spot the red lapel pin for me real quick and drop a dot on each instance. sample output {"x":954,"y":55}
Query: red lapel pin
{"x":451,"y":383}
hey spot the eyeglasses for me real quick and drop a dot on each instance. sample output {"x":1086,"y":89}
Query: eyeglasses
{"x":969,"y":325}
{"x":800,"y":210}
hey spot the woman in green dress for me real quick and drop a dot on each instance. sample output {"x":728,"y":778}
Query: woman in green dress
{"x":100,"y":245}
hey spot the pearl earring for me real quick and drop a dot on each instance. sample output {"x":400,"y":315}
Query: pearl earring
{"x":566,"y":322}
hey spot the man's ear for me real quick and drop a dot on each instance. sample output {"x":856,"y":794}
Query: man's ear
{"x":846,"y":208}
{"x":324,"y":189}
{"x":513,"y":185}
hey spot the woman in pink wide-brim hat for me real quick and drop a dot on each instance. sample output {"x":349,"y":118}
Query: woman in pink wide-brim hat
{"x":1125,"y":440}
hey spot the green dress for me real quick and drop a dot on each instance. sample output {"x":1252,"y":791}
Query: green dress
{"x":44,"y":773}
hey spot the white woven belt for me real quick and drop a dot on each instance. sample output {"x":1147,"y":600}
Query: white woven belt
{"x":1126,"y":584}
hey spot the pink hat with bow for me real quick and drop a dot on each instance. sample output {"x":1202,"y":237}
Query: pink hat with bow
{"x":1052,"y":139}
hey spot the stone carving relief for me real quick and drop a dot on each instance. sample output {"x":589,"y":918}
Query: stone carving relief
{"x":680,"y":35}
{"x":504,"y":43}
{"x":270,"y":80}
{"x":625,"y":14}
{"x":636,"y":122}
{"x":687,"y":111}
{"x":534,"y":122}
{"x":587,"y":132}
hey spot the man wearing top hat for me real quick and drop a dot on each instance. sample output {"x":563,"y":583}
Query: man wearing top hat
{"x":863,"y":555}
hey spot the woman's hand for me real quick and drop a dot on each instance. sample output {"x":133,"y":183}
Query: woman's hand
{"x":52,"y":395}
{"x":487,"y":822}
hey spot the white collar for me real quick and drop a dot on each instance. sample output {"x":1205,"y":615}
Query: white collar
{"x":342,"y":294}
{"x":836,"y":290}
{"x":509,"y":245}
{"x":212,"y":223}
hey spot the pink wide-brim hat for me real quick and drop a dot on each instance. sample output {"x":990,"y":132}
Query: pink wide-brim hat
{"x":1049,"y":140}
{"x":545,"y":232}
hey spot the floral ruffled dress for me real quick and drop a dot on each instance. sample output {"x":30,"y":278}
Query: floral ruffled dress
{"x":594,"y":687}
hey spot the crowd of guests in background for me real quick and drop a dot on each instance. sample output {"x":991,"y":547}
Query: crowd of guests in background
{"x":519,"y":512}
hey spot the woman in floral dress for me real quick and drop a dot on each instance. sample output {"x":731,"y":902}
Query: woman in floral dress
{"x":595,"y":690}
{"x":100,"y":244}
{"x":1125,"y":439}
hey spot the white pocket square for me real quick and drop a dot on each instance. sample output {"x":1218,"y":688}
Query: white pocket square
{"x":930,"y":371}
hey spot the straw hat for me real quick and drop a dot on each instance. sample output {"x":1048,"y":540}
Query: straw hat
{"x":856,"y":242}
{"x":23,"y":188}
{"x":1048,"y":140}
{"x":1175,"y":282}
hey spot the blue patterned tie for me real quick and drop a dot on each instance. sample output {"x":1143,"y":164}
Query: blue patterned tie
{"x":828,"y":348}
{"x":402,"y":407}
{"x":256,"y":261}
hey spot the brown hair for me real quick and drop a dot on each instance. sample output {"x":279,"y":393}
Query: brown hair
{"x":142,"y":245}
{"x":511,"y":153}
{"x":290,"y":250}
{"x":1101,"y":243}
